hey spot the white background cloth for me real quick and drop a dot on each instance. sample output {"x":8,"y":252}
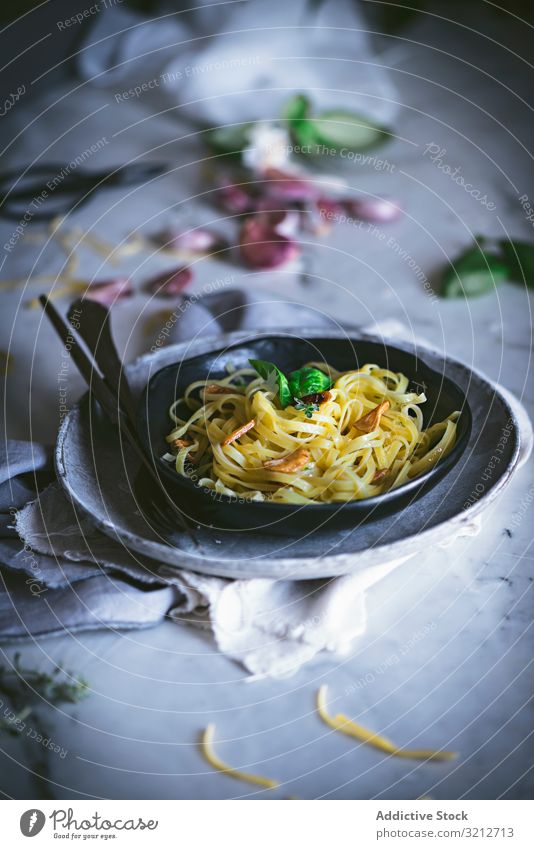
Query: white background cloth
{"x":225,"y":56}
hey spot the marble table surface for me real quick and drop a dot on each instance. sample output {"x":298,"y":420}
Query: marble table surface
{"x":446,"y":660}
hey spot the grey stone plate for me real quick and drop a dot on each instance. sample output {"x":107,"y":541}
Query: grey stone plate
{"x":98,"y":474}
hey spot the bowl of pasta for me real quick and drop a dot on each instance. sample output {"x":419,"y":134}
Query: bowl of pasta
{"x":286,"y":434}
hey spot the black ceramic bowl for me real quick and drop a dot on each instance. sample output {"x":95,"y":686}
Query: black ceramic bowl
{"x":289,"y":352}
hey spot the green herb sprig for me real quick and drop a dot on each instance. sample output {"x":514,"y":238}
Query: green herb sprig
{"x":28,"y":688}
{"x":292,"y":389}
{"x":333,"y":130}
{"x":307,"y":409}
{"x":482,"y":267}
{"x":25,"y":695}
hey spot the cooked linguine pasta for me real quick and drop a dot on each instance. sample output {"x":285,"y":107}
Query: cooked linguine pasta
{"x":246,"y":437}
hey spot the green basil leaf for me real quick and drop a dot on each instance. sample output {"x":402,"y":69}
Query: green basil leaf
{"x":304,"y":136}
{"x":519,"y":259}
{"x":339,"y":129}
{"x":308,"y":381}
{"x":475,"y":272}
{"x":296,"y":112}
{"x":296,"y":108}
{"x":272,"y":373}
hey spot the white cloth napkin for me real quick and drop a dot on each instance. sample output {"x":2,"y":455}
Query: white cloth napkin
{"x":240,"y":61}
{"x":273,"y":627}
{"x":270,"y":627}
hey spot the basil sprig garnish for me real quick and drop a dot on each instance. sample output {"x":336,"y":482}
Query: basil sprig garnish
{"x":482,"y":267}
{"x":274,"y":377}
{"x":300,"y":383}
{"x":308,"y":381}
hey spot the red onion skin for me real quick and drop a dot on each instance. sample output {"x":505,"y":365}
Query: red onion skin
{"x":379,"y":210}
{"x":235,"y":199}
{"x":262,"y":247}
{"x":197,"y":241}
{"x":106,"y":292}
{"x":285,"y":221}
{"x":279,"y":184}
{"x":329,"y":208}
{"x":271,"y":205}
{"x":170,"y":283}
{"x":318,"y":217}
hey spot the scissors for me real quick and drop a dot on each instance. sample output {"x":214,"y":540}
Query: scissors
{"x":45,"y":191}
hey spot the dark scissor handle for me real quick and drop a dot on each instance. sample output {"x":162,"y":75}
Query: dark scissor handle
{"x":44,"y":191}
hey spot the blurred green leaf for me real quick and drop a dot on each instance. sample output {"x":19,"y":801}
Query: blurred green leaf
{"x":303,"y":134}
{"x":22,"y":685}
{"x":296,"y":108}
{"x":475,"y":272}
{"x":519,"y":259}
{"x":229,"y":140}
{"x":340,"y":129}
